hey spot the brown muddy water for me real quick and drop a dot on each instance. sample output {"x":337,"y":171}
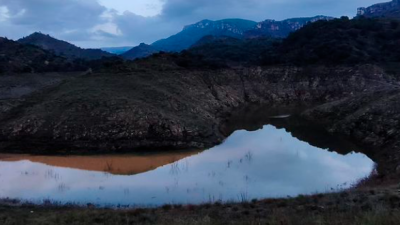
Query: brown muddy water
{"x":284,"y":157}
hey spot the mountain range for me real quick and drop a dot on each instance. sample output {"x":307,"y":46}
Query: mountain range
{"x":192,"y":33}
{"x":281,"y":29}
{"x":192,"y":36}
{"x":235,"y":28}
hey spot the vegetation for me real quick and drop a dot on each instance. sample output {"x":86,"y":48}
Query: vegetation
{"x":338,"y":41}
{"x":140,"y":51}
{"x":351,"y":207}
{"x":341,"y":41}
{"x":21,"y":58}
{"x":233,"y":51}
{"x":193,"y":33}
{"x":62,"y":48}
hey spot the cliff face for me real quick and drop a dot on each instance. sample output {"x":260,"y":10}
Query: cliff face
{"x":193,"y":33}
{"x":388,"y":9}
{"x":235,"y":28}
{"x":372,"y":120}
{"x":165,"y":109}
{"x":281,"y":29}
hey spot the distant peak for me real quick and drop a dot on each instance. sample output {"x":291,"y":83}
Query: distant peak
{"x":202,"y":24}
{"x":38,"y":34}
{"x":205,"y":21}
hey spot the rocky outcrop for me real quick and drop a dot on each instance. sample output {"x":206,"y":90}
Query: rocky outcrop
{"x":387,"y":9}
{"x":174,"y":108}
{"x":234,"y":28}
{"x":372,"y":120}
{"x":193,"y":33}
{"x":281,"y":29}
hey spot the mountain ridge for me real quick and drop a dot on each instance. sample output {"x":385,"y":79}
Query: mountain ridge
{"x":234,"y":28}
{"x":281,"y":29}
{"x":386,"y":9}
{"x":63,"y":48}
{"x":194,"y":32}
{"x":140,"y":51}
{"x":16,"y":57}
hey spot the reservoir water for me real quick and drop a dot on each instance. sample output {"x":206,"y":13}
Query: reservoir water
{"x":267,"y":161}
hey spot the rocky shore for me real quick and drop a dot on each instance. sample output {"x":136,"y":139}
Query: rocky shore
{"x":175,"y":108}
{"x":163,"y":109}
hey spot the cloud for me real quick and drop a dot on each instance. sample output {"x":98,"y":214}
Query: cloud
{"x":54,"y":15}
{"x":96,"y":23}
{"x":139,"y":7}
{"x":145,"y":29}
{"x":59,"y":18}
{"x":3,"y":14}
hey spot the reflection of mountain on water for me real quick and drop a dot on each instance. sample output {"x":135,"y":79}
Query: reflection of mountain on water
{"x":114,"y":164}
{"x":250,"y":119}
{"x":254,"y":118}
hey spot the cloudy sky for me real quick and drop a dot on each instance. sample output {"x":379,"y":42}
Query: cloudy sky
{"x":99,"y":23}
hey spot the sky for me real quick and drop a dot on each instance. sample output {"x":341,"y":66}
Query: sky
{"x":112,"y":23}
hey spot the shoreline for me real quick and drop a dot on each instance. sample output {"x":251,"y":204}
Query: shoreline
{"x":380,"y":205}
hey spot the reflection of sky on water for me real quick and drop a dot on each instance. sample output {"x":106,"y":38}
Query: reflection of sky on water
{"x":261,"y":164}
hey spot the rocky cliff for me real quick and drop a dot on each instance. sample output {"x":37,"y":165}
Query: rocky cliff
{"x":387,"y":9}
{"x":281,"y":29}
{"x":168,"y":108}
{"x":193,"y":33}
{"x":370,"y":119}
{"x":235,"y":28}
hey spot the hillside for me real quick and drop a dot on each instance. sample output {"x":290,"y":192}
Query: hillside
{"x":340,"y":41}
{"x":162,"y":107}
{"x":140,"y":51}
{"x":232,"y":51}
{"x":192,"y":33}
{"x":63,"y":48}
{"x":19,"y":58}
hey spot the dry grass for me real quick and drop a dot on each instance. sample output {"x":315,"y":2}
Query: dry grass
{"x":374,"y":206}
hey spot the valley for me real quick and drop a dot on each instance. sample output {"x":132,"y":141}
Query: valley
{"x":227,"y":122}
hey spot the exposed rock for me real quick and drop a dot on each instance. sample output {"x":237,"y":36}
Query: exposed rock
{"x":371,"y":119}
{"x":387,"y":9}
{"x":166,"y":109}
{"x":193,"y":33}
{"x":281,"y":29}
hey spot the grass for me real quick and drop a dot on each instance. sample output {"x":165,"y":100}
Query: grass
{"x":358,"y":207}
